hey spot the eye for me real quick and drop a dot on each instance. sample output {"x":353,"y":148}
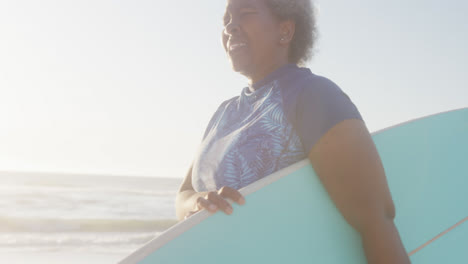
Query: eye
{"x":241,"y":13}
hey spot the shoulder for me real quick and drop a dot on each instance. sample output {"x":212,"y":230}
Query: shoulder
{"x":228,"y":102}
{"x":302,"y":85}
{"x":306,"y":91}
{"x":320,"y":93}
{"x":319,"y":88}
{"x":219,"y":113}
{"x":318,"y":81}
{"x":225,"y":105}
{"x":319,"y":105}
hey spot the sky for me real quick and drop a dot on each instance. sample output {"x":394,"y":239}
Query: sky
{"x":128,"y":87}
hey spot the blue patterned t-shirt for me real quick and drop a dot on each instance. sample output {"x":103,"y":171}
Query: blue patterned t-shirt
{"x":258,"y":133}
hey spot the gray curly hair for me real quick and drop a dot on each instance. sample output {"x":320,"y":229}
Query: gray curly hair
{"x":303,"y":14}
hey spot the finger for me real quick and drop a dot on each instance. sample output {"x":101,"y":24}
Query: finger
{"x":203,"y":203}
{"x":233,"y":194}
{"x":220,"y":202}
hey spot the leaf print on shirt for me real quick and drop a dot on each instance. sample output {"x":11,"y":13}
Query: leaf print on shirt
{"x":237,"y":172}
{"x":251,"y":139}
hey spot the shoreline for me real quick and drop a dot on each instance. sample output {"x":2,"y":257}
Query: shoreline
{"x":59,"y":257}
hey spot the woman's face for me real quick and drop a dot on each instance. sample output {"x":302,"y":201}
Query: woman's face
{"x":251,"y":38}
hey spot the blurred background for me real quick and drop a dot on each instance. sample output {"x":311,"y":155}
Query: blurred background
{"x":103,"y":104}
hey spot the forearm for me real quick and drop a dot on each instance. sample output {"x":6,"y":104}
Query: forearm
{"x":382,"y":243}
{"x":186,"y":201}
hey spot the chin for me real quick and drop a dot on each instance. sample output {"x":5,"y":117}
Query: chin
{"x":242,"y":67}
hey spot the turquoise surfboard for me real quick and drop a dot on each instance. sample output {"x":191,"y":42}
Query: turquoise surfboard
{"x":289,"y":218}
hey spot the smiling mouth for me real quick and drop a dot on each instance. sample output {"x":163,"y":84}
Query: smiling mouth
{"x":234,"y":48}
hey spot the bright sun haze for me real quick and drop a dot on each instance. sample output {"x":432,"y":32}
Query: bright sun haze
{"x":128,"y":87}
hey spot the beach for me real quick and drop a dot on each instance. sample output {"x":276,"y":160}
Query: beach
{"x":58,"y":257}
{"x":63,"y":218}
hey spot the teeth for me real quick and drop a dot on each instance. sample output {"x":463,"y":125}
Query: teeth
{"x":236,"y":46}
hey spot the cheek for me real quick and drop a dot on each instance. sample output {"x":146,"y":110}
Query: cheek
{"x":264,"y":31}
{"x":265,"y":41}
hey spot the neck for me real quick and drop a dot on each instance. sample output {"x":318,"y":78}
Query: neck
{"x":263,"y":72}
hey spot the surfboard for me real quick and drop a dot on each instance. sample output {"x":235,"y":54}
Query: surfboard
{"x":289,"y":218}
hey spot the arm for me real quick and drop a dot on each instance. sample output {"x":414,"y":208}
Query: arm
{"x":347,"y":163}
{"x":188,"y":201}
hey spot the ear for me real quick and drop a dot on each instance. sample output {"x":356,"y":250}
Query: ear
{"x":287,"y":29}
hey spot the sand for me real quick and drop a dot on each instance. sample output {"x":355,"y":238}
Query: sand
{"x":18,"y":257}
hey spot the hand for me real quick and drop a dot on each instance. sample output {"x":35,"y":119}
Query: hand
{"x":214,"y":201}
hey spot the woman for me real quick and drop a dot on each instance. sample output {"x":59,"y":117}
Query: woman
{"x":287,"y":114}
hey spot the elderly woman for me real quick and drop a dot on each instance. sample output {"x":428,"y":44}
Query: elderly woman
{"x":287,"y":114}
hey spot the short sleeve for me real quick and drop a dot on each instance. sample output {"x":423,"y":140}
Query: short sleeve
{"x":321,"y":105}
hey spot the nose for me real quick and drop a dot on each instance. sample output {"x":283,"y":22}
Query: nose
{"x":231,"y":29}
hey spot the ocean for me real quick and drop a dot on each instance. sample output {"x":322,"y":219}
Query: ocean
{"x":52,"y":218}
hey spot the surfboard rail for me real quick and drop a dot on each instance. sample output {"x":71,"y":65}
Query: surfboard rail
{"x":194,"y":220}
{"x":183,"y":226}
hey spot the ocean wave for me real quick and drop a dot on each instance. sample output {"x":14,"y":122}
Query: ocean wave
{"x":48,"y":190}
{"x":74,"y":240}
{"x":8,"y":224}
